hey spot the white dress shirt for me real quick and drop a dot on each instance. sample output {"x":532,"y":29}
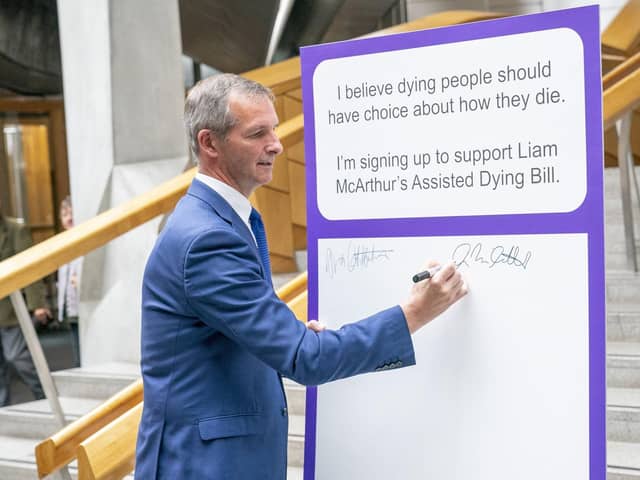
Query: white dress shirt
{"x":238,"y":201}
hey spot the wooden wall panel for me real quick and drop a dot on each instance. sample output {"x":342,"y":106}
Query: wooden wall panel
{"x":35,"y":149}
{"x":298,"y":194}
{"x":279,"y":105}
{"x":275,"y":208}
{"x":280,"y":180}
{"x":296,"y":153}
{"x":292,"y":107}
{"x":297,"y":94}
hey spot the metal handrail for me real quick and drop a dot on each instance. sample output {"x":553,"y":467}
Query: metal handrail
{"x":621,"y":96}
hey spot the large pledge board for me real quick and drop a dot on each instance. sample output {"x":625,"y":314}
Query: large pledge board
{"x":480,"y":144}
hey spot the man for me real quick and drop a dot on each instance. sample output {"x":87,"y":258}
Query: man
{"x":215,"y":338}
{"x":14,"y":237}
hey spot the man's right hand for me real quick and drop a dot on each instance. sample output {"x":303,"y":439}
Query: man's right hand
{"x":429,"y":298}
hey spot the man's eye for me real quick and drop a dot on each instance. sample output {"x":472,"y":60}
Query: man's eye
{"x":259,"y":133}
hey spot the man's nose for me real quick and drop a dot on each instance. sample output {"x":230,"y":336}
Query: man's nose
{"x":275,"y":146}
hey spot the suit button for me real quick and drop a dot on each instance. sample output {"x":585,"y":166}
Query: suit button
{"x":284,"y":411}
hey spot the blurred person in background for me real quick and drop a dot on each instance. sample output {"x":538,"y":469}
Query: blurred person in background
{"x":69,"y":286}
{"x":15,"y":237}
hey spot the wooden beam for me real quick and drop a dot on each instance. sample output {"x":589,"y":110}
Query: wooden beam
{"x":620,"y":71}
{"x":622,"y":35}
{"x":30,"y":104}
{"x":622,"y":96}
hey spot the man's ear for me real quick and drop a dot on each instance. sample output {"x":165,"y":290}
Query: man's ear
{"x":208,"y":143}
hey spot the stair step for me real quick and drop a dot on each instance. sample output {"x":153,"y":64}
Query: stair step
{"x":623,"y":459}
{"x":623,"y":325}
{"x":623,"y":371}
{"x":623,"y":287}
{"x":623,"y":397}
{"x":623,"y":424}
{"x":296,"y":397}
{"x":622,"y":474}
{"x":295,"y":451}
{"x":101,"y":381}
{"x":16,"y":449}
{"x":623,"y":414}
{"x":295,"y":473}
{"x":623,"y":349}
{"x":34,"y":419}
{"x":618,"y":260}
{"x":623,"y":364}
{"x":18,"y":460}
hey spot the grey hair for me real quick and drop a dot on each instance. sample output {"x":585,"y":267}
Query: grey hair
{"x":207,"y":105}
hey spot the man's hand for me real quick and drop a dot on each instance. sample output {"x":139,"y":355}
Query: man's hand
{"x":429,"y":298}
{"x":42,"y":315}
{"x":316,"y":326}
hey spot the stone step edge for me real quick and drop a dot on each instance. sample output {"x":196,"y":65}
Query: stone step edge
{"x":623,"y":408}
{"x":623,"y":470}
{"x":618,"y":356}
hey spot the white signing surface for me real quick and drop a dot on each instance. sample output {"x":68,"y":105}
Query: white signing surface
{"x":501,"y":386}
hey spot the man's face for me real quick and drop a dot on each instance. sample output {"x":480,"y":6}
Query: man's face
{"x":247,"y":155}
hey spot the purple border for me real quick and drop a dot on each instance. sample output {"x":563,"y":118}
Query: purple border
{"x":588,"y":218}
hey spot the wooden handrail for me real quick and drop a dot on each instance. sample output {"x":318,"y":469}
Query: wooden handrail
{"x":46,"y":257}
{"x":623,"y":95}
{"x":110,"y":453}
{"x":298,"y":305}
{"x":59,"y":449}
{"x":293,"y":288}
{"x":622,"y":35}
{"x":625,"y":68}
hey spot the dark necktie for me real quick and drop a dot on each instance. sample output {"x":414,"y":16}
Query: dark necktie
{"x":257,"y":227}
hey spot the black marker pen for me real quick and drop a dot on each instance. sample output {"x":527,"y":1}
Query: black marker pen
{"x":418,"y":277}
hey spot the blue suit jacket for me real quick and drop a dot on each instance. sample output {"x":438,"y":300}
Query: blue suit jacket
{"x":215,"y":340}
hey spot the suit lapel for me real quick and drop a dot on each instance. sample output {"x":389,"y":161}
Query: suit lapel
{"x":225,"y":211}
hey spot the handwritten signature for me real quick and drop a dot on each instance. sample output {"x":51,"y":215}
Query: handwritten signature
{"x":468,"y":253}
{"x":357,"y":257}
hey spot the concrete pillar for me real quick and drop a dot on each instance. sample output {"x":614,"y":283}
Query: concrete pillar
{"x":123,"y":94}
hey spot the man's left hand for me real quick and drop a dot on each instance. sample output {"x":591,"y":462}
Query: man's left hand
{"x":316,"y":326}
{"x":42,"y":315}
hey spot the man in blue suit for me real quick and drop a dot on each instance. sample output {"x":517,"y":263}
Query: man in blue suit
{"x":216,"y":340}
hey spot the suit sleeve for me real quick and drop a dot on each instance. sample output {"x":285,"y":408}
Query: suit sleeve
{"x":224,"y":287}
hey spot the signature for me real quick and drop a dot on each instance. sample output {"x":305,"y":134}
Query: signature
{"x":468,"y":253}
{"x":357,"y":257}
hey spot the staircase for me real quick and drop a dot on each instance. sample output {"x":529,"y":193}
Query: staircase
{"x":23,"y":426}
{"x":623,"y":341}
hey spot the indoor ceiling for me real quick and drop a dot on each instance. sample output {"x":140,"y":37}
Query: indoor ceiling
{"x":228,"y":35}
